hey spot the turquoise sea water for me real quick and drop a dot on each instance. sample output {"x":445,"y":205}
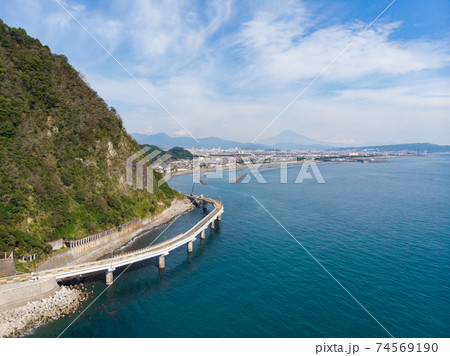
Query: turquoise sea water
{"x":382,"y":230}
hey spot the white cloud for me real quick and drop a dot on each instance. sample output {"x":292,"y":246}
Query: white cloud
{"x":166,"y":37}
{"x":418,"y":96}
{"x":181,"y":133}
{"x":228,"y":68}
{"x":146,"y":131}
{"x":284,"y":49}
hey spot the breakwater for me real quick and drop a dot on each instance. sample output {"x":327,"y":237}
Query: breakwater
{"x":65,"y":301}
{"x":17,"y":294}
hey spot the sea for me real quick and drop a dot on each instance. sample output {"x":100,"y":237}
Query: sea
{"x":365,"y":254}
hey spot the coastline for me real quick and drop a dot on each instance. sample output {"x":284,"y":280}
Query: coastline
{"x":65,"y":300}
{"x":177,"y":208}
{"x":238,"y":168}
{"x":21,"y":320}
{"x":68,"y":257}
{"x":276,"y":165}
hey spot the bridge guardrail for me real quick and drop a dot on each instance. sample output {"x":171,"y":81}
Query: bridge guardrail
{"x":141,"y":252}
{"x":137,"y":255}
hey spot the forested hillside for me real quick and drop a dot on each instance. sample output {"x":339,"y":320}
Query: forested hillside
{"x":176,"y":153}
{"x":62,"y":152}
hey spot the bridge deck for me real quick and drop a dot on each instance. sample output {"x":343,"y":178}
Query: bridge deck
{"x":160,"y":249}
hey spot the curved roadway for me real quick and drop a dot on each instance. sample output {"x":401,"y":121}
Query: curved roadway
{"x":160,"y":249}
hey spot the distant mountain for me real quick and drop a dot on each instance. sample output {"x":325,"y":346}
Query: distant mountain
{"x":289,"y":136}
{"x":290,"y":140}
{"x":287,"y":140}
{"x":412,"y":147}
{"x":164,"y":141}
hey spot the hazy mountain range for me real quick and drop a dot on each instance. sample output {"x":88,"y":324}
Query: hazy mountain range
{"x":290,"y":140}
{"x":416,"y":147}
{"x":286,"y":140}
{"x":164,"y":141}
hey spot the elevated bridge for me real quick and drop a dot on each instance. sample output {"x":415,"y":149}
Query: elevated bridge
{"x":159,"y":250}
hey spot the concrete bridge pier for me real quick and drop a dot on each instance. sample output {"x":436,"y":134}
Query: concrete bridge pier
{"x":190,"y":247}
{"x":109,"y":276}
{"x":202,"y":235}
{"x":162,"y":262}
{"x":219,"y":217}
{"x":212,"y":224}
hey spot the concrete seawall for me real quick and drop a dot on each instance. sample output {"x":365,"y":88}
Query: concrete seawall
{"x":64,"y":301}
{"x":7,"y":267}
{"x":110,"y":243}
{"x":18,"y":295}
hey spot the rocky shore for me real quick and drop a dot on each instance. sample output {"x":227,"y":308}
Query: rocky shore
{"x":16,"y":322}
{"x":66,"y":299}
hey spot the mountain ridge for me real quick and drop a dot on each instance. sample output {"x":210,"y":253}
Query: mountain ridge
{"x":63,"y":152}
{"x":165,"y":141}
{"x":289,"y":136}
{"x":422,"y":147}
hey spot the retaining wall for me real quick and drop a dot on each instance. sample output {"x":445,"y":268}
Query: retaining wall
{"x":7,"y":267}
{"x":13,"y":297}
{"x":102,"y":237}
{"x":56,"y":245}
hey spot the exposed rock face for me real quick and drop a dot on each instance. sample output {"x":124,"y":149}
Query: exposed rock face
{"x":15,"y":322}
{"x":63,"y":153}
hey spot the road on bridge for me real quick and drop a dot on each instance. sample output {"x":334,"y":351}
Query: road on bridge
{"x":108,"y":265}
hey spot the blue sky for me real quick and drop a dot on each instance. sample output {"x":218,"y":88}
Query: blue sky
{"x":228,"y":68}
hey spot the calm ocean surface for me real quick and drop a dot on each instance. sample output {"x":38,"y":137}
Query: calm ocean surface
{"x":381,"y":229}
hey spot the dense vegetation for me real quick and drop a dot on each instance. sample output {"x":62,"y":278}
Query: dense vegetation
{"x":176,"y":153}
{"x":62,"y":152}
{"x":180,"y":153}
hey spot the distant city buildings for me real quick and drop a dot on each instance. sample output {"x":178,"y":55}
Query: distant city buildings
{"x":210,"y":158}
